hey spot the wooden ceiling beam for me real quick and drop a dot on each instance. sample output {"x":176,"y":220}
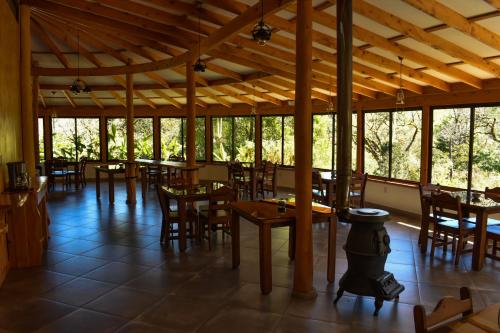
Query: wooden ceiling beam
{"x":118,"y":98}
{"x":256,"y":93}
{"x":70,"y":99}
{"x":96,"y":100}
{"x":457,"y":21}
{"x":494,"y":3}
{"x":166,"y":97}
{"x":218,"y":99}
{"x":288,"y":94}
{"x":419,"y":34}
{"x":224,"y":71}
{"x":229,"y":92}
{"x":47,"y":40}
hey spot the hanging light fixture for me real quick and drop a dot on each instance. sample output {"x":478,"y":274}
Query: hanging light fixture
{"x":78,"y":85}
{"x":254,"y":105}
{"x":330,"y":108}
{"x":199,"y":65}
{"x":261,"y":32}
{"x":400,"y":95}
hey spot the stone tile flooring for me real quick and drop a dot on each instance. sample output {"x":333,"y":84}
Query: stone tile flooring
{"x":106,"y":271}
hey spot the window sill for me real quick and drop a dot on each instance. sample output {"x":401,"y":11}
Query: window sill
{"x":396,"y":182}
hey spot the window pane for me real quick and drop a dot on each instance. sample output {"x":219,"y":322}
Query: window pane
{"x":63,"y":138}
{"x":377,"y":143}
{"x":199,"y":137}
{"x":322,"y":141}
{"x":221,"y":138}
{"x":406,"y":144}
{"x":171,"y":137}
{"x":354,"y":151}
{"x":41,"y":145}
{"x":117,"y":138}
{"x":244,"y":139}
{"x":450,"y":146}
{"x":88,"y":139}
{"x":143,"y":138}
{"x":289,"y":144}
{"x":486,"y":158}
{"x":271,"y":139}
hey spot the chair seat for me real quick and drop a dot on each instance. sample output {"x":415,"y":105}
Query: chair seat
{"x":494,"y":230}
{"x":453,"y":224}
{"x":490,"y":221}
{"x":58,"y":173}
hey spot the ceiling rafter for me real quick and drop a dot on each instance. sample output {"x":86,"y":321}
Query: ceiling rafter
{"x":96,"y":100}
{"x":166,"y":97}
{"x":42,"y":34}
{"x":70,"y":99}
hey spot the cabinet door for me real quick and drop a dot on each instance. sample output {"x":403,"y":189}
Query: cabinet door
{"x":4,"y":262}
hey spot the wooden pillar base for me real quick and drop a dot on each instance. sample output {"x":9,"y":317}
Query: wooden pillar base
{"x":308,"y":295}
{"x":130,"y":179}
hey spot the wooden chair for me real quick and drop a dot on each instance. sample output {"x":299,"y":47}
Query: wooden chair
{"x":447,"y":212}
{"x":57,"y":168}
{"x":357,"y":190}
{"x":218,"y":215}
{"x":266,"y":180}
{"x":80,"y":172}
{"x":427,"y":218}
{"x":170,"y":217}
{"x":239,"y":180}
{"x":318,"y":190}
{"x":446,"y":309}
{"x":493,"y":235}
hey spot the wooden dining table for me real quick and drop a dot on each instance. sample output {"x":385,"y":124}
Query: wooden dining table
{"x":267,"y":215}
{"x":483,"y":321}
{"x":481,"y":207}
{"x":111,"y":170}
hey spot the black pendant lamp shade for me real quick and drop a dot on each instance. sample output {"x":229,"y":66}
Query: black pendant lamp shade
{"x":261,"y":32}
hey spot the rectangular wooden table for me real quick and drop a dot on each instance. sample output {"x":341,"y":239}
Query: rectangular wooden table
{"x":482,"y":207}
{"x":483,"y":321}
{"x":111,"y":170}
{"x":266,"y":216}
{"x":184,"y":194}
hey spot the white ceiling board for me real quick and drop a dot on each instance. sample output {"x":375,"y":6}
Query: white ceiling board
{"x":471,"y":44}
{"x":406,"y":12}
{"x":171,"y":76}
{"x":393,"y":57}
{"x":468,"y":8}
{"x":47,"y":60}
{"x":427,"y":50}
{"x":440,"y":76}
{"x":492,"y":24}
{"x":475,"y":71}
{"x":234,"y":67}
{"x":373,"y":26}
{"x":369,"y":64}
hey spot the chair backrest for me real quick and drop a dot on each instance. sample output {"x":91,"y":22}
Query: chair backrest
{"x":492,"y":193}
{"x":446,"y":205}
{"x":165,"y":209}
{"x":220,"y":200}
{"x":317,"y":186}
{"x":357,"y":189}
{"x":447,"y":308}
{"x":426,"y":190}
{"x":83,"y":164}
{"x":59,"y":164}
{"x":237,"y":171}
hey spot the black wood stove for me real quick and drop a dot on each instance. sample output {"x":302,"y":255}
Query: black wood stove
{"x":367,"y":248}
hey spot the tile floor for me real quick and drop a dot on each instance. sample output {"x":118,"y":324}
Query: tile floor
{"x":106,"y":271}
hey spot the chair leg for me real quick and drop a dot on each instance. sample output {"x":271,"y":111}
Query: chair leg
{"x":434,"y":239}
{"x":460,"y":248}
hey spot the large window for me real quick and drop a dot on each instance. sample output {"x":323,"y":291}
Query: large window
{"x":277,"y":139}
{"x":41,"y":142}
{"x":143,"y":138}
{"x":73,"y":138}
{"x":117,"y":138}
{"x":233,"y":138}
{"x":322,"y":140}
{"x":453,"y":129}
{"x":392,"y":144}
{"x":354,"y":151}
{"x":173,"y":137}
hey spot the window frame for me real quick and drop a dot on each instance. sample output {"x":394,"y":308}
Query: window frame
{"x":233,"y":155}
{"x":282,"y":116}
{"x":183,"y":144}
{"x":334,"y":137}
{"x":107,"y":136}
{"x":76,"y":133}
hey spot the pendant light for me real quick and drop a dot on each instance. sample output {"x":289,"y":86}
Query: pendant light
{"x":199,"y":65}
{"x":261,"y":32}
{"x":400,"y":95}
{"x":78,"y":85}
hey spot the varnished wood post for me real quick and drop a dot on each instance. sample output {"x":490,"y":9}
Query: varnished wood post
{"x":130,"y":172}
{"x":426,"y":130}
{"x":27,"y":92}
{"x":156,"y":138}
{"x":190,"y":119}
{"x":104,"y":138}
{"x":359,"y":139}
{"x":258,"y":140}
{"x":36,"y":91}
{"x":303,"y":274}
{"x":344,"y":100}
{"x":208,"y":138}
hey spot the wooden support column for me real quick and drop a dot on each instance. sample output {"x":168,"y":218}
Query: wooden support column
{"x":344,"y":100}
{"x":156,"y":138}
{"x":208,"y":138}
{"x":359,"y":139}
{"x":47,"y":137}
{"x":303,"y":274}
{"x":191,"y":120}
{"x":34,"y":99}
{"x":426,"y":131}
{"x":27,"y":92}
{"x":258,"y":140}
{"x":130,"y":173}
{"x":104,"y":138}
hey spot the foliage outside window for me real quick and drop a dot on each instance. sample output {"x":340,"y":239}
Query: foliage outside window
{"x":451,"y":144}
{"x":323,"y":132}
{"x":143,"y":138}
{"x":392,"y":144}
{"x":117,"y":138}
{"x":74,"y":138}
{"x":173,"y":137}
{"x":233,"y":138}
{"x":41,"y":142}
{"x":354,"y":151}
{"x":278,"y":140}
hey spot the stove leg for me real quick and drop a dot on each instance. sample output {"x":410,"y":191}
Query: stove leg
{"x":378,"y":304}
{"x":340,"y":292}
